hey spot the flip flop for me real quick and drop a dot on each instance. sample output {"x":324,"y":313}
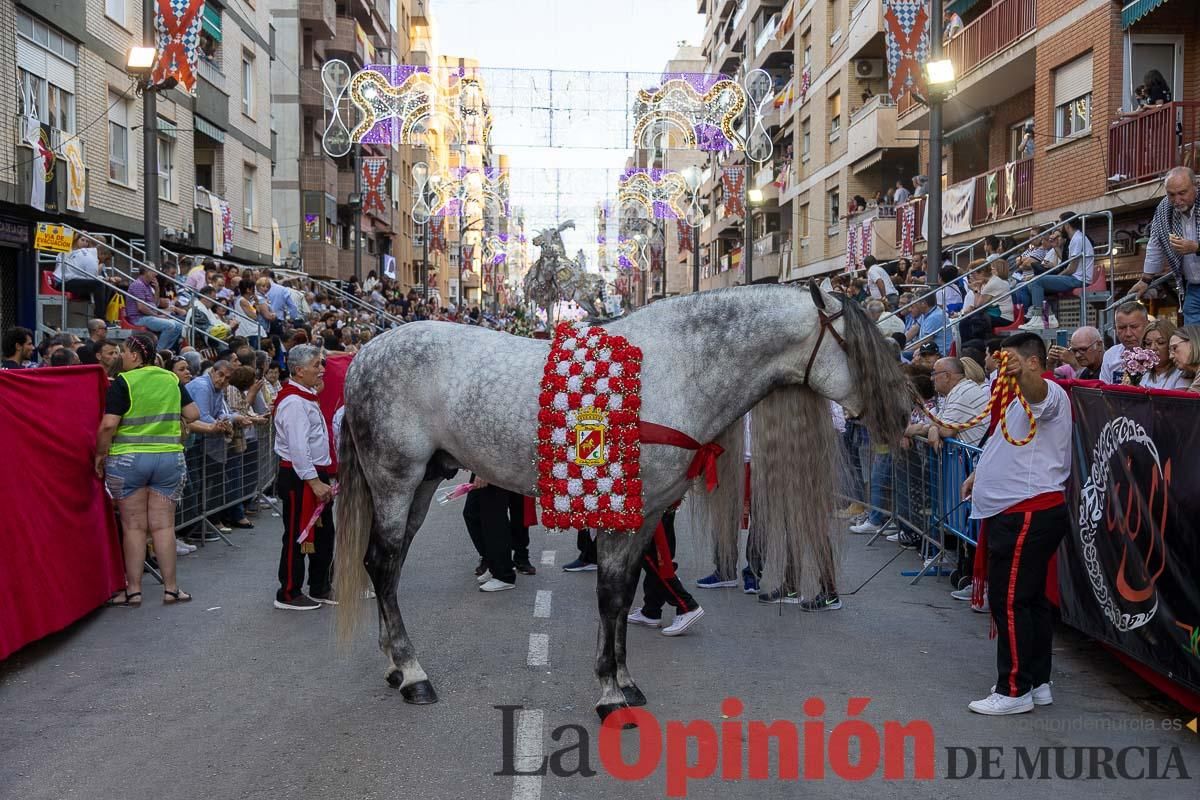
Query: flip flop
{"x":128,"y":602}
{"x":177,"y":596}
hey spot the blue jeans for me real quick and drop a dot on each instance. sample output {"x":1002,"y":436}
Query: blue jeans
{"x":1054,"y":284}
{"x":168,"y":330}
{"x":1191,"y":304}
{"x":881,"y":489}
{"x":127,"y":473}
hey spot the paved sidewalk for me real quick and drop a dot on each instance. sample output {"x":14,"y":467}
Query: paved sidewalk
{"x":228,"y":698}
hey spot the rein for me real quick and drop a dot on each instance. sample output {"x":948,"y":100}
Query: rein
{"x":1004,"y":389}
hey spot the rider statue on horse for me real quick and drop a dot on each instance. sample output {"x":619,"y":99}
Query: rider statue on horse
{"x":555,"y":278}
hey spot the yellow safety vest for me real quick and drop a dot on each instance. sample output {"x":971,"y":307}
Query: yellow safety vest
{"x":151,"y":425}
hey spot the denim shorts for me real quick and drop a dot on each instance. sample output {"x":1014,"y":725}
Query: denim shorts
{"x":163,"y":473}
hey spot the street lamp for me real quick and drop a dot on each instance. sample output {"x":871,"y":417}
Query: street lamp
{"x":754,"y":198}
{"x":939,"y":79}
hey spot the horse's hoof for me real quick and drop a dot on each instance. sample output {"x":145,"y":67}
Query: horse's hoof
{"x":605,"y":709}
{"x":394,"y":678}
{"x":420,"y":693}
{"x":633,"y":695}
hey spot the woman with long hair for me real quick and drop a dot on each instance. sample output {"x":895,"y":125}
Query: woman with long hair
{"x":139,"y":455}
{"x":1165,"y":375}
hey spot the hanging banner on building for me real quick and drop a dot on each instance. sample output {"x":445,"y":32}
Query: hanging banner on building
{"x":72,"y":151}
{"x":853,"y":241}
{"x":1010,"y":188}
{"x":226,"y":228}
{"x":1127,"y":571}
{"x":867,"y":234}
{"x":374,"y":180}
{"x":958,"y":204}
{"x":178,"y":25}
{"x":733,"y":181}
{"x":437,"y":234}
{"x":906,"y":32}
{"x":276,"y":244}
{"x":991,"y":194}
{"x":389,"y":266}
{"x":39,"y":164}
{"x":683,"y":236}
{"x":907,"y":214}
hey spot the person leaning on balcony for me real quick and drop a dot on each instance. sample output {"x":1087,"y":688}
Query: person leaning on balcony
{"x":139,"y":455}
{"x":952,"y":25}
{"x":1173,"y":242}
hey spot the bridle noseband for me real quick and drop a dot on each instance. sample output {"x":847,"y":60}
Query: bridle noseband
{"x":826,"y":321}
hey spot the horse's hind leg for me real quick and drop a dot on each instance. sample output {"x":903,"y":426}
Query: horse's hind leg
{"x":616,"y":581}
{"x":400,"y":510}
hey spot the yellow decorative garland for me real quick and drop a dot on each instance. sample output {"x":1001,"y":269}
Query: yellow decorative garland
{"x":1004,"y":389}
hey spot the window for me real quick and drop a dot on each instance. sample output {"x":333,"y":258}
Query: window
{"x":835,"y":210}
{"x":806,"y":46}
{"x":805,"y":138}
{"x":1073,"y":97}
{"x":835,"y":21}
{"x":804,"y":221}
{"x":247,"y":85}
{"x":115,"y":10}
{"x":248,"y":197}
{"x":166,"y":167}
{"x":118,"y":138}
{"x":835,"y":115}
{"x":46,"y":76}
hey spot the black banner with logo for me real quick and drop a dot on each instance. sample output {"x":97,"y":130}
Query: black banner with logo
{"x":1127,"y":575}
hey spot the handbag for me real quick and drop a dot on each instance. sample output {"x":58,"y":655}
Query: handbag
{"x":116,"y":308}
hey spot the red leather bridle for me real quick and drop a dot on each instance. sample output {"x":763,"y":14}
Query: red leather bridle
{"x":826,"y":319}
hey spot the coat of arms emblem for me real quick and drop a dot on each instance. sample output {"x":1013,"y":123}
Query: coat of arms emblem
{"x":590,"y":427}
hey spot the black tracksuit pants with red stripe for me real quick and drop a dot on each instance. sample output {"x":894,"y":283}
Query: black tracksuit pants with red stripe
{"x":290,"y":489}
{"x":655,"y":591}
{"x":1020,"y":546}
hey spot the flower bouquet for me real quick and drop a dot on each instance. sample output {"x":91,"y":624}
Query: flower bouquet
{"x":1137,"y":362}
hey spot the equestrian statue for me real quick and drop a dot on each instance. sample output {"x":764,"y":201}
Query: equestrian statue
{"x":429,"y":398}
{"x":555,"y":278}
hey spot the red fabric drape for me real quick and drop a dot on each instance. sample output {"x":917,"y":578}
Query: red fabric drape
{"x":330,"y":396}
{"x":61,"y":557}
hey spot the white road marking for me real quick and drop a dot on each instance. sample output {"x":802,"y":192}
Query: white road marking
{"x":528,"y":753}
{"x":539,"y":649}
{"x":548,"y":557}
{"x":541,"y":604}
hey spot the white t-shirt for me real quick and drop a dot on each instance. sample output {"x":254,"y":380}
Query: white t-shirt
{"x":995,"y":287}
{"x":1171,"y":379}
{"x":1112,"y":370}
{"x":81,"y":264}
{"x":1007,"y":475}
{"x":889,"y":323}
{"x":878,"y":273}
{"x":1084,"y":254}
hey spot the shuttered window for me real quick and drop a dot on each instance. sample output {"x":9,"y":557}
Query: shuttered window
{"x":1073,"y":97}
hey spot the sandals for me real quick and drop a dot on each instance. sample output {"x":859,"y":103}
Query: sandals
{"x":177,"y":596}
{"x":132,"y":600}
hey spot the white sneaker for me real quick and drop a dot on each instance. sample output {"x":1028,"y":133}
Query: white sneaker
{"x":866,"y":527}
{"x":1053,"y":321}
{"x":1041,"y":694}
{"x":998,"y":705}
{"x":496,"y":585}
{"x":982,"y":609}
{"x":182,"y":549}
{"x":964,"y":593}
{"x":1034,"y":323}
{"x":894,"y":537}
{"x":485,"y":577}
{"x":683,"y":621}
{"x":638,"y":618}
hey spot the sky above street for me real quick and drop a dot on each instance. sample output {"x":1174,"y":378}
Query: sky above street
{"x":572,"y":38}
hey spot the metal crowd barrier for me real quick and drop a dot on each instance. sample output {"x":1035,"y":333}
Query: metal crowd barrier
{"x":914,"y":490}
{"x":219,"y":478}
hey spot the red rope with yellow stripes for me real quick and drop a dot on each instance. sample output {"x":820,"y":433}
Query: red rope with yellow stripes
{"x":1004,"y":389}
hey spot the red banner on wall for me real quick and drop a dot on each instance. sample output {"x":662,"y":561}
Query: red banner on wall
{"x":60,"y":554}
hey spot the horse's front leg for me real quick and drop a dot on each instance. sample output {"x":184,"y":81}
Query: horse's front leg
{"x":619,"y":566}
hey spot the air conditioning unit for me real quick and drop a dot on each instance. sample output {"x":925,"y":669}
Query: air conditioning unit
{"x":868,"y":68}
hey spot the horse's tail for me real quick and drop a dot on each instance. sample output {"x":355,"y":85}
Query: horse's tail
{"x":355,"y":516}
{"x":796,"y":465}
{"x":719,"y":513}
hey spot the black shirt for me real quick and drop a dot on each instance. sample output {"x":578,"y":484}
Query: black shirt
{"x":10,"y":364}
{"x":117,"y":401}
{"x":1088,"y":374}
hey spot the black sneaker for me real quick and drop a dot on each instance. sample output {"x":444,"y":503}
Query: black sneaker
{"x":324,"y":598}
{"x":779,"y":596}
{"x":825,"y":601}
{"x":298,"y":603}
{"x":480,"y":568}
{"x":579,"y":565}
{"x":909,"y":541}
{"x":525,"y":568}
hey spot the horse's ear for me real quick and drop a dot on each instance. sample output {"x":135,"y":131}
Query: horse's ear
{"x":817,"y":295}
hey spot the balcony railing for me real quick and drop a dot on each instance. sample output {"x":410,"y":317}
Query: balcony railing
{"x":767,"y":35}
{"x":993,"y":31}
{"x":1144,"y":147}
{"x":917,"y":204}
{"x":769,"y":244}
{"x":211,"y":73}
{"x":1007,"y":202}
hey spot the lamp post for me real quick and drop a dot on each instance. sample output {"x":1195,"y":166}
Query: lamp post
{"x":939,"y":78}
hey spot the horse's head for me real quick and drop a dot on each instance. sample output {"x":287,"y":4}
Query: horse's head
{"x":851,"y":363}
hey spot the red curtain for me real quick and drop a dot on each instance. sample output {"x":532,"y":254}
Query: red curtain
{"x":60,"y":557}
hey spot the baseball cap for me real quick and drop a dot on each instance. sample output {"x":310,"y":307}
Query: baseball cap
{"x":929,"y":349}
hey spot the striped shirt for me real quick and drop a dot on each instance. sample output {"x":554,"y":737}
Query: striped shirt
{"x":964,"y":402}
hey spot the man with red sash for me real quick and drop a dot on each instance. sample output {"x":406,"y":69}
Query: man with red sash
{"x":1018,"y":493}
{"x":305,"y":467}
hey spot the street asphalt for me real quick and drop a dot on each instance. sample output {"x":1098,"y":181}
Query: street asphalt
{"x":228,"y":698}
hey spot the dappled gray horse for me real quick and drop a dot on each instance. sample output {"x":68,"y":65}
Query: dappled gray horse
{"x":428,"y":398}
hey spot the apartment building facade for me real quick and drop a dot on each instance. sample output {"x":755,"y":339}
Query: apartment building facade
{"x":1069,"y":68}
{"x":64,"y":61}
{"x":312,"y":190}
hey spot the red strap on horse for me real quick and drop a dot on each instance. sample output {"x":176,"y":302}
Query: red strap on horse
{"x":705,"y":460}
{"x":530,"y":512}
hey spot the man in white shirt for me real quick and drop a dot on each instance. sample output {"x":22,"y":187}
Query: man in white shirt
{"x":962,"y":400}
{"x":1081,"y":258}
{"x":1132,"y":320}
{"x":79,"y":273}
{"x":302,"y":444}
{"x":887,"y":322}
{"x":1175,"y":242}
{"x":879,"y":282}
{"x":1018,"y":491}
{"x":902,"y":194}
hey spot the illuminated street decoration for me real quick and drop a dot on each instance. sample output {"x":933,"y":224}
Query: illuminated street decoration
{"x":663,"y":194}
{"x":690,"y":110}
{"x":335,"y":78}
{"x":395,"y":103}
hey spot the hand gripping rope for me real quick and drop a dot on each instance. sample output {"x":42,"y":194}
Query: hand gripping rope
{"x":1004,"y":389}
